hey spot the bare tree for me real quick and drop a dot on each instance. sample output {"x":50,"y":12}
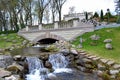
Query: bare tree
{"x":59,"y":4}
{"x":27,"y":6}
{"x":71,"y":10}
{"x":40,"y":7}
{"x":53,"y":8}
{"x":47,"y":15}
{"x":3,"y":10}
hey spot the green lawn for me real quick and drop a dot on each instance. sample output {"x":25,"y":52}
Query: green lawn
{"x":99,"y":49}
{"x":9,"y":40}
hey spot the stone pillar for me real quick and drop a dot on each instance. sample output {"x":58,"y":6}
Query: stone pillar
{"x":40,"y":26}
{"x":27,"y":28}
{"x":75,"y":23}
{"x":56,"y":25}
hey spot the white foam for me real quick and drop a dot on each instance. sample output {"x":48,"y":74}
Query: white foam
{"x":60,"y":70}
{"x":35,"y":76}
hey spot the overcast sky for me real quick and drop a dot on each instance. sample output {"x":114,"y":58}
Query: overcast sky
{"x":89,"y":5}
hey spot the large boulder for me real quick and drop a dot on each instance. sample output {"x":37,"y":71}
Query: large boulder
{"x":73,"y":51}
{"x":15,"y":68}
{"x":113,"y":72}
{"x":65,"y":52}
{"x":18,"y":58}
{"x":107,"y":40}
{"x":5,"y":61}
{"x":4,"y":73}
{"x":48,"y":64}
{"x":108,"y":46}
{"x":95,"y":37}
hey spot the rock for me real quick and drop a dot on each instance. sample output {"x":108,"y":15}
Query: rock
{"x":3,"y":35}
{"x":44,"y":57}
{"x":108,"y":46}
{"x":104,"y":60}
{"x":52,"y":76}
{"x":91,"y":57}
{"x":70,"y":57}
{"x":95,"y":37}
{"x":48,"y":64}
{"x":83,"y":69}
{"x":24,"y":42}
{"x":13,"y":77}
{"x":82,"y":53}
{"x":107,"y":40}
{"x":85,"y":60}
{"x":113,"y":72}
{"x":11,"y":48}
{"x":110,"y":63}
{"x":101,"y":67}
{"x":73,"y":51}
{"x":96,"y":58}
{"x":4,"y":73}
{"x":80,"y":62}
{"x":5,"y":61}
{"x":113,"y":77}
{"x":89,"y":66}
{"x":99,"y":73}
{"x":18,"y":58}
{"x":116,"y":66}
{"x":15,"y":68}
{"x":1,"y":50}
{"x":65,"y":52}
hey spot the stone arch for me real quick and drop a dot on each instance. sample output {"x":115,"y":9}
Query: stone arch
{"x":48,"y":35}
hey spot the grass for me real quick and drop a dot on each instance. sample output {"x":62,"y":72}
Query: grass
{"x":9,"y":40}
{"x":99,"y":49}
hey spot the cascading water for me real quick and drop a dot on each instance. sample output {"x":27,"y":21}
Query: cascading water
{"x":36,"y":69}
{"x":59,"y":63}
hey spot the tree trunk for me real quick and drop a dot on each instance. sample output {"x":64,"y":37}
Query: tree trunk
{"x":53,"y":17}
{"x":60,"y":15}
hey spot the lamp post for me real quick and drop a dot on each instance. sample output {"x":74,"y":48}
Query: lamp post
{"x":81,"y":41}
{"x":108,"y":15}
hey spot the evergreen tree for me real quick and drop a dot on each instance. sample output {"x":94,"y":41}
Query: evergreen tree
{"x":86,"y":15}
{"x":101,"y":16}
{"x":118,"y":10}
{"x":95,"y":15}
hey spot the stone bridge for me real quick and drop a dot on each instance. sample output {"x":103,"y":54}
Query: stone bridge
{"x":54,"y":32}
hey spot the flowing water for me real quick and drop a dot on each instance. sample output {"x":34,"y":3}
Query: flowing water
{"x":36,"y":69}
{"x":59,"y":63}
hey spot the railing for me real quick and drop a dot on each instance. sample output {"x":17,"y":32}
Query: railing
{"x":66,"y":24}
{"x":47,"y":26}
{"x":55,"y":26}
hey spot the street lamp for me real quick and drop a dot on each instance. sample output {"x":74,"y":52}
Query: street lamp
{"x":108,"y":15}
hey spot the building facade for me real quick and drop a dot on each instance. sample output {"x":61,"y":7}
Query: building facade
{"x":77,"y":15}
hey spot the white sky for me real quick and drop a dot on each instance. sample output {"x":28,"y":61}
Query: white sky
{"x":89,"y":5}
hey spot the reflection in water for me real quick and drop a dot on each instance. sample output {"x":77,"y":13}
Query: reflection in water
{"x":30,"y":51}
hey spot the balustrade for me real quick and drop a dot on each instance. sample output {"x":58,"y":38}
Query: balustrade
{"x":56,"y":25}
